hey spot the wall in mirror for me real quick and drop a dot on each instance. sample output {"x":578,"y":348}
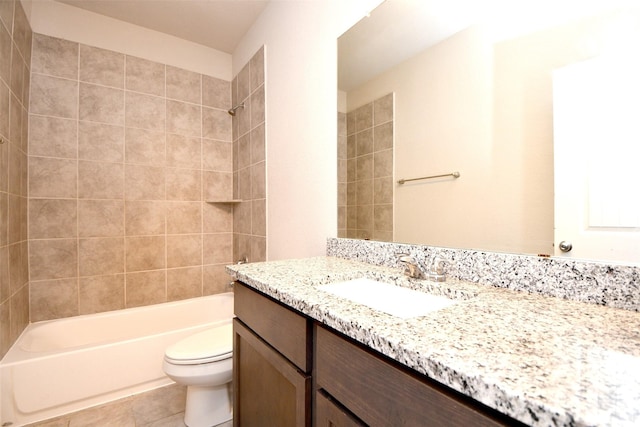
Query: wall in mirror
{"x":365,"y":171}
{"x":480,"y":102}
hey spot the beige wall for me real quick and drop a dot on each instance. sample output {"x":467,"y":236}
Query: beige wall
{"x":301,"y":100}
{"x":15,"y":51}
{"x":123,"y":154}
{"x":482,"y":109}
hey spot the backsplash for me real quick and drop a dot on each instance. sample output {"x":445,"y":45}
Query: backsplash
{"x":592,"y":282}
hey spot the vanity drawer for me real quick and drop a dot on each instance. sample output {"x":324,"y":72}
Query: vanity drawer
{"x":285,"y":330}
{"x":381,"y":393}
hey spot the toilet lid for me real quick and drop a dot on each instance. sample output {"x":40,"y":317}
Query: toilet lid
{"x":203,"y":347}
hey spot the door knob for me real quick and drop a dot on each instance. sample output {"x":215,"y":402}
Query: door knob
{"x":565,"y":246}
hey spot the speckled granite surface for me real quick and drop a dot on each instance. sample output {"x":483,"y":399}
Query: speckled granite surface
{"x":544,"y":361}
{"x":593,"y":282}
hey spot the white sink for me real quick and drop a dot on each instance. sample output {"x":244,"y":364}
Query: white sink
{"x":391,"y":299}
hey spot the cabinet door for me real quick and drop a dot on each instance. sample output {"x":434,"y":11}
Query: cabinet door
{"x":328,"y":414}
{"x":268,"y":390}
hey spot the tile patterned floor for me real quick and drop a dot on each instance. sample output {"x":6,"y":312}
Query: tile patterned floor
{"x":163,"y":407}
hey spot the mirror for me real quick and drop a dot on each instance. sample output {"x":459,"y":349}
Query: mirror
{"x":473,"y":93}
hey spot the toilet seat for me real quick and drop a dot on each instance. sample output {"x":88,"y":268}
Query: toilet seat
{"x":204,"y":347}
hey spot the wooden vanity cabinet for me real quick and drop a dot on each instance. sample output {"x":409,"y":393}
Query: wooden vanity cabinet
{"x":280,"y":355}
{"x":271,"y":363}
{"x":380,"y":392}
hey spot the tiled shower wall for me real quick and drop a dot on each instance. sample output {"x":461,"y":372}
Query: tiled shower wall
{"x":249,"y":217}
{"x":342,"y":174}
{"x":15,"y":58}
{"x":123,"y":154}
{"x":370,"y":170}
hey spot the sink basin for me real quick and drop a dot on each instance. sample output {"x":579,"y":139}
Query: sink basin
{"x":395,"y":300}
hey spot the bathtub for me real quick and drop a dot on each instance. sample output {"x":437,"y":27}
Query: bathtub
{"x":60,"y":366}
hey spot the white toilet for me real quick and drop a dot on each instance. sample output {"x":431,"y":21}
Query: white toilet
{"x":203,"y":362}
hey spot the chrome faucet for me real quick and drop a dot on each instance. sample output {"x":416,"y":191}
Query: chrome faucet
{"x":436,"y":270}
{"x":411,"y":267}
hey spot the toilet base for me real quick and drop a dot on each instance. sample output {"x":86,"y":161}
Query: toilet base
{"x":208,"y":406}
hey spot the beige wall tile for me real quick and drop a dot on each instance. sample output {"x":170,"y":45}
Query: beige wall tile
{"x":217,"y":218}
{"x":17,"y":276}
{"x":144,"y":182}
{"x":51,"y":218}
{"x":257,"y":144}
{"x":15,"y":217}
{"x":4,"y":109}
{"x":383,"y":190}
{"x":101,"y":256}
{"x":258,"y":185}
{"x":52,"y":96}
{"x":184,"y":283}
{"x":383,"y":109}
{"x":242,"y":217}
{"x":145,"y":111}
{"x":364,"y":142}
{"x":98,"y":180}
{"x":17,"y":73}
{"x":5,"y":51}
{"x":5,"y":286}
{"x":184,"y":217}
{"x":52,"y":177}
{"x":244,"y":184}
{"x":352,"y":169}
{"x":383,"y":163}
{"x":53,"y":299}
{"x":100,"y":293}
{"x":145,"y":76}
{"x":351,"y":146}
{"x":256,"y":65}
{"x":4,"y":218}
{"x":244,"y":82}
{"x":217,"y":185}
{"x":383,"y":217}
{"x":217,"y":155}
{"x":145,"y":253}
{"x":184,"y":184}
{"x":19,"y":312}
{"x":216,"y":93}
{"x":258,"y":249}
{"x":144,"y":218}
{"x":383,"y":137}
{"x":365,"y":218}
{"x":22,"y":34}
{"x":100,"y":218}
{"x":364,"y":192}
{"x":144,"y":288}
{"x":216,"y":124}
{"x":53,"y":137}
{"x":16,"y":163}
{"x":183,"y":85}
{"x":100,"y":141}
{"x":242,"y":247}
{"x":101,"y":104}
{"x":364,"y":167}
{"x":184,"y":250}
{"x":55,"y":57}
{"x":217,"y":248}
{"x":259,"y":218}
{"x":363,"y":117}
{"x":145,"y":147}
{"x":184,"y":119}
{"x":257,"y":107}
{"x":215,"y":280}
{"x":15,"y":121}
{"x":53,"y":259}
{"x":184,"y":151}
{"x":104,"y":67}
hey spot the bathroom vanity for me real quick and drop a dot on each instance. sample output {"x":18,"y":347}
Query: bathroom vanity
{"x":303,"y":356}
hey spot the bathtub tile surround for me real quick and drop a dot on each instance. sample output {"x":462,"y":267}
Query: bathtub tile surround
{"x":123,"y":155}
{"x":365,"y":171}
{"x":249,"y":162}
{"x":15,"y":63}
{"x":592,"y":282}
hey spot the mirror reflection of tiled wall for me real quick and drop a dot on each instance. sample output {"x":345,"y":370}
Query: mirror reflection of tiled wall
{"x":365,"y":172}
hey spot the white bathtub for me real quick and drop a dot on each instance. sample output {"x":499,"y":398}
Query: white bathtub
{"x":65,"y":365}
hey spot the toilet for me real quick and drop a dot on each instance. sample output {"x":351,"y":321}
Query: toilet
{"x":203,"y":362}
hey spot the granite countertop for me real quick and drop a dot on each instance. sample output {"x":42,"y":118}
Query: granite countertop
{"x":542,"y":360}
